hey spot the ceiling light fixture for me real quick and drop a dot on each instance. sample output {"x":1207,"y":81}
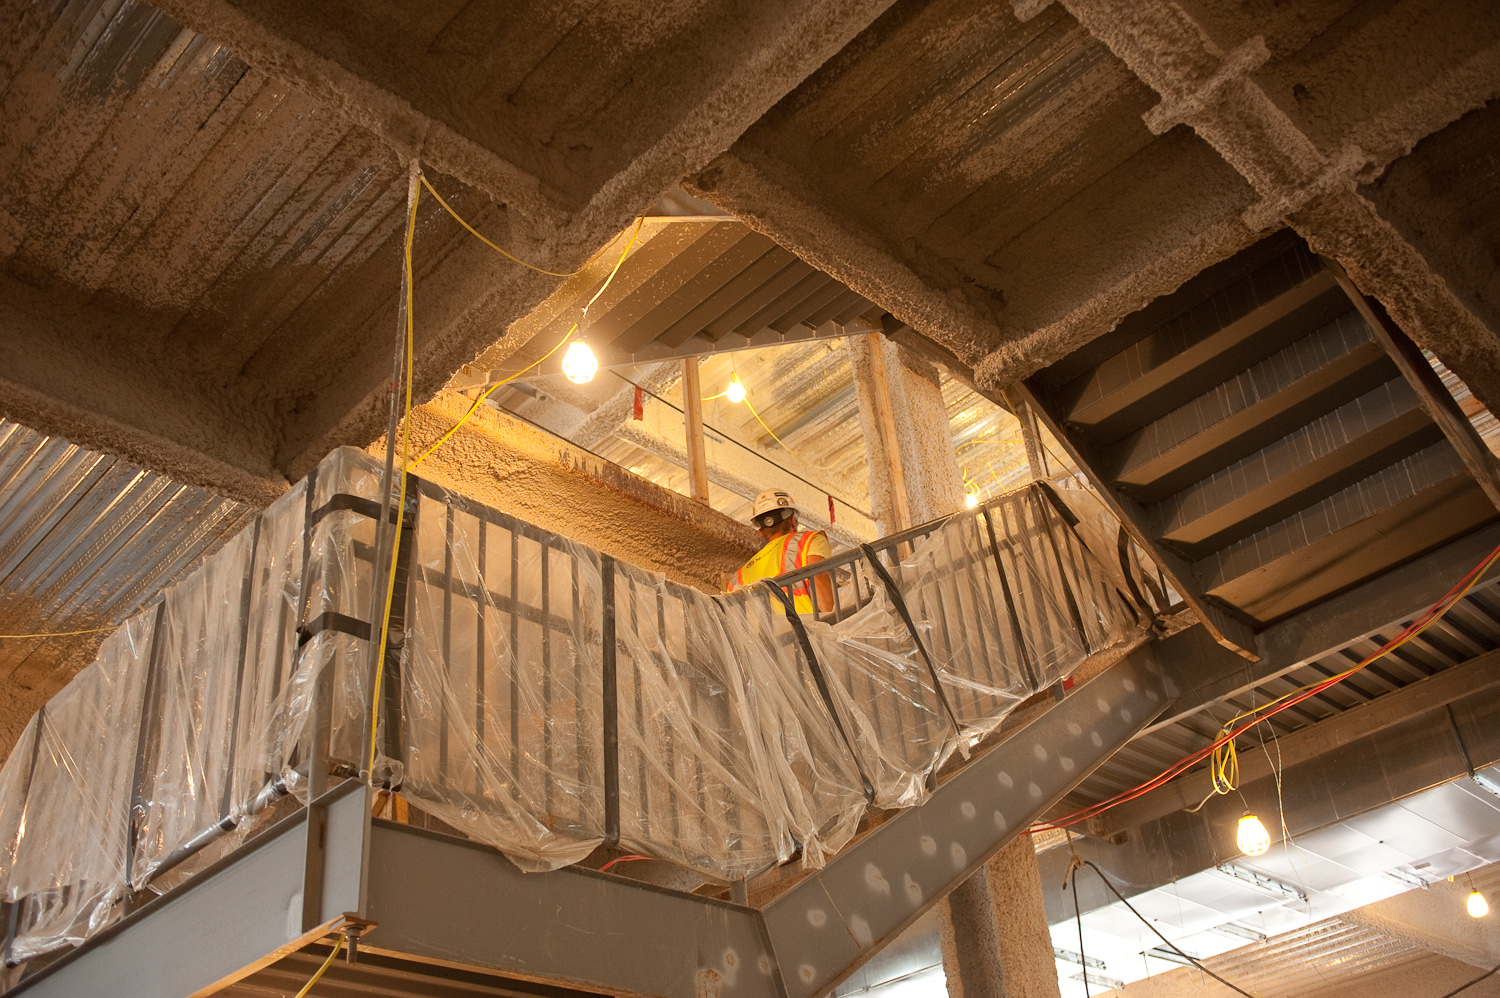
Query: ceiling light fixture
{"x":1251,"y":836}
{"x":736,"y":391}
{"x":1477,"y":905}
{"x":971,"y":499}
{"x":579,"y":363}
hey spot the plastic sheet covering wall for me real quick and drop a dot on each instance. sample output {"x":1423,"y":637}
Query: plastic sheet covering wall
{"x":190,"y":722}
{"x":694,"y":784}
{"x":500,"y":730}
{"x":535,"y":695}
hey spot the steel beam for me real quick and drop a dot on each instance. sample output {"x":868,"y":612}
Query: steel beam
{"x":241,"y":914}
{"x":1208,"y":673}
{"x":830,"y":923}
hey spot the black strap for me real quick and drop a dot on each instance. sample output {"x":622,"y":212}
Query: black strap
{"x":332,"y":620}
{"x":1063,"y":509}
{"x":354,"y":504}
{"x":1135,"y":590}
{"x":900,"y":603}
{"x":814,"y":666}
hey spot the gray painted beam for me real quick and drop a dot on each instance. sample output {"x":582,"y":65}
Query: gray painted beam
{"x":447,"y":900}
{"x":241,"y":914}
{"x":826,"y":926}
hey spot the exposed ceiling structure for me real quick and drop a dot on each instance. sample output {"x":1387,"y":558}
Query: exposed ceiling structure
{"x":1242,"y":259}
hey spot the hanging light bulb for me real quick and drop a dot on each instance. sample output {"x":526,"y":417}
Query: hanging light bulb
{"x":579,"y":363}
{"x":1251,"y":836}
{"x":736,"y":391}
{"x":1477,"y":905}
{"x":971,"y":499}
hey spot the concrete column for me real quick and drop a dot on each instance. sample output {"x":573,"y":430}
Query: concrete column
{"x":994,"y":926}
{"x":914,"y":475}
{"x":994,"y":931}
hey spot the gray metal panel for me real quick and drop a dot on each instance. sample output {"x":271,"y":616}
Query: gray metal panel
{"x":447,"y":900}
{"x":828,"y":924}
{"x":235,"y":917}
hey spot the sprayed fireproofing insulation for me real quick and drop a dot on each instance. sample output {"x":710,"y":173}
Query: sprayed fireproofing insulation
{"x":536,"y":695}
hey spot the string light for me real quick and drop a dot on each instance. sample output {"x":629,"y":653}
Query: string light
{"x":736,"y":391}
{"x":1478,"y":906}
{"x":579,"y":363}
{"x":1251,"y":836}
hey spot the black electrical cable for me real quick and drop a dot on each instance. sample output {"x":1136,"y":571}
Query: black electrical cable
{"x":1083,"y":957}
{"x":748,"y":449}
{"x":1475,"y":981}
{"x":1195,"y":963}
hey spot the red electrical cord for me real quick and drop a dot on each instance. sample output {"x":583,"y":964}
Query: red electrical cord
{"x":620,"y":859}
{"x":1416,"y":627}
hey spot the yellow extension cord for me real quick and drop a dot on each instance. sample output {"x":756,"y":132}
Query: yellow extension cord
{"x":338,"y":943}
{"x":406,"y":463}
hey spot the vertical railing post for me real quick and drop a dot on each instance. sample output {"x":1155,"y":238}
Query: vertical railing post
{"x":146,"y":735}
{"x":226,"y":801}
{"x":1018,"y":635}
{"x":392,"y":691}
{"x":611,"y":705}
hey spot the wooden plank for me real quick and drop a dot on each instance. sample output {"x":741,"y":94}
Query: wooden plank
{"x":1434,"y":395}
{"x":1227,"y":628}
{"x":692,"y":399}
{"x":1474,"y":676}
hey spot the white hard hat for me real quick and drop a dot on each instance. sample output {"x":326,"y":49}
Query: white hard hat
{"x":771,"y":501}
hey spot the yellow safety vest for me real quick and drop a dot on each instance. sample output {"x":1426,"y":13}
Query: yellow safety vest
{"x":783,"y":554}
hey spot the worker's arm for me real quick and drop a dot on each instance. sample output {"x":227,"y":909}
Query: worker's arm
{"x":817,"y":551}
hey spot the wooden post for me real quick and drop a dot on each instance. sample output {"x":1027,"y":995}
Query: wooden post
{"x":886,"y":415}
{"x":697,"y":454}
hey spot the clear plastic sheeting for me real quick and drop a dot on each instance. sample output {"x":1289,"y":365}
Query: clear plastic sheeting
{"x":68,"y":830}
{"x":501,"y":697}
{"x":694,"y":785}
{"x":898,"y":724}
{"x":807,"y":754}
{"x":192,"y":720}
{"x":535,"y":695}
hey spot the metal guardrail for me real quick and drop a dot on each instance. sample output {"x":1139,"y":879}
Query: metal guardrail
{"x":544,"y":698}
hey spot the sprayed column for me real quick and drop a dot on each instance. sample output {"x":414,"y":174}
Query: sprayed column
{"x":994,"y":926}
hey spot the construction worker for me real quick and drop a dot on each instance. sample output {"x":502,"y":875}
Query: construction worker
{"x":786,"y":550}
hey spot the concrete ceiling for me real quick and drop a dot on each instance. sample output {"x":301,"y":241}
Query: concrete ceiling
{"x":201,"y":235}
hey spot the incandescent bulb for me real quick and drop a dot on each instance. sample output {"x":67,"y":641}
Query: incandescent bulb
{"x":736,"y":391}
{"x":971,"y":500}
{"x":1478,"y":906}
{"x":1251,"y":836}
{"x":579,"y":363}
